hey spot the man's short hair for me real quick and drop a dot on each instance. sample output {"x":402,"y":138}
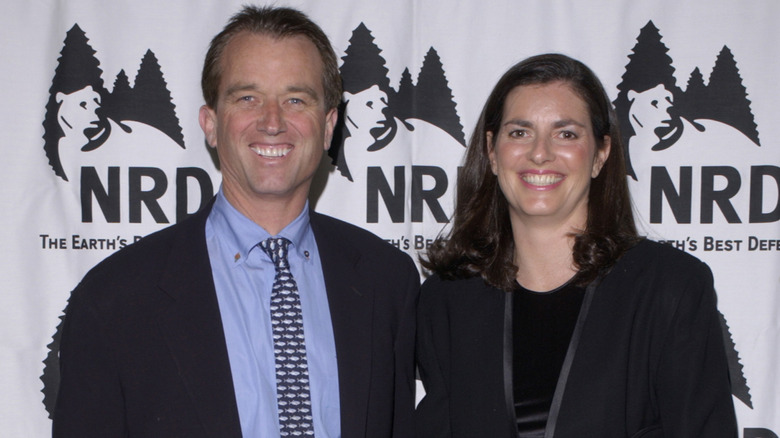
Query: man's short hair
{"x":278,"y":23}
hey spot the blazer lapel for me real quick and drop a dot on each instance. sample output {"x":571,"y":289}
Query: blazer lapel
{"x":192,"y":327}
{"x":552,"y":418}
{"x":350,"y":297}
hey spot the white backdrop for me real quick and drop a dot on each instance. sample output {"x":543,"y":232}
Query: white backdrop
{"x":421,"y":72}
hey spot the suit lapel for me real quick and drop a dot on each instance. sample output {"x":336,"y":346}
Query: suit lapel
{"x":350,"y":298}
{"x":192,"y":328}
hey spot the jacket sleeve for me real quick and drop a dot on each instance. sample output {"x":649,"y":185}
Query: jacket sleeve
{"x":693,"y":389}
{"x":89,"y":401}
{"x":432,"y":416}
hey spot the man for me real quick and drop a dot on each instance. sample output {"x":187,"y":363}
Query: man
{"x":176,"y":335}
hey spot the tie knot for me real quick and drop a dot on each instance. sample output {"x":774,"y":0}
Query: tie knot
{"x":276,"y":248}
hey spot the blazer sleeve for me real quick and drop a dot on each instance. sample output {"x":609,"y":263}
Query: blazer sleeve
{"x":693,"y":390}
{"x":432,"y":416}
{"x":89,"y":401}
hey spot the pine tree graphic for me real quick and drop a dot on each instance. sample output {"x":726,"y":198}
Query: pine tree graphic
{"x":363,"y":64}
{"x":648,"y":65}
{"x":122,"y":91}
{"x":430,"y":100}
{"x":403,"y":102}
{"x":77,"y":68}
{"x":739,"y":386}
{"x":725,"y":97}
{"x":434,"y":101}
{"x":148,"y":102}
{"x":695,"y":93}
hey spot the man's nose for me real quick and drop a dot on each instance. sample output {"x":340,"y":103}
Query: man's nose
{"x":271,"y":119}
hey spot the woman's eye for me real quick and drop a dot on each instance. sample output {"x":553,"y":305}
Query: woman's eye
{"x":517,"y":133}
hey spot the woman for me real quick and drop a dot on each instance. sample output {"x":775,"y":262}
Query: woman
{"x":546,"y":315}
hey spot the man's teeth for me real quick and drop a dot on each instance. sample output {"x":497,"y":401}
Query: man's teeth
{"x":271,"y":152}
{"x":542,"y":180}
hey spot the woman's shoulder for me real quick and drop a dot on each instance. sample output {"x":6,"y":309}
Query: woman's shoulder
{"x":661,"y":269}
{"x":439,"y":283}
{"x":437,"y":288}
{"x":648,"y":254}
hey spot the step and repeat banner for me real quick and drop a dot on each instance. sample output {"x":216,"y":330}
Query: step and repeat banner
{"x":101,"y":144}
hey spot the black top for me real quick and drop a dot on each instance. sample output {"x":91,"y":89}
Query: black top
{"x":543,"y":323}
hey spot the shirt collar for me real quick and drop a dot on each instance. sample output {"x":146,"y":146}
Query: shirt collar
{"x":241,"y":235}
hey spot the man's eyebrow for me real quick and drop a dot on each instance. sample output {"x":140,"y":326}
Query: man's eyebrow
{"x":233,"y":89}
{"x":305,"y":90}
{"x":238,"y":88}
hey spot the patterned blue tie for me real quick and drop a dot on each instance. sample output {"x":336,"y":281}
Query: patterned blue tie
{"x":292,"y":372}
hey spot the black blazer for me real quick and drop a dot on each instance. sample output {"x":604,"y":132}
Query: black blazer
{"x":143,"y":351}
{"x":646,"y":358}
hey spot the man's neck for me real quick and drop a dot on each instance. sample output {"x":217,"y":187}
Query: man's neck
{"x":273,"y":213}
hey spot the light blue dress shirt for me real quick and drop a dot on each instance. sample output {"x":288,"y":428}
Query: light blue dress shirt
{"x":243,"y":277}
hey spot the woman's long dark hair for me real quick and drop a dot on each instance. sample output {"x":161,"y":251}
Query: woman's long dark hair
{"x":480,"y":241}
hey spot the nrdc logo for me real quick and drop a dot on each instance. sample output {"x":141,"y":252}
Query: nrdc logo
{"x":111,"y":147}
{"x":397,"y":149}
{"x":693,"y":152}
{"x":694,"y":155}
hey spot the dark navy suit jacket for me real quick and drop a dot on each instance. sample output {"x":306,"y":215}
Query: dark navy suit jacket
{"x":143,"y":352}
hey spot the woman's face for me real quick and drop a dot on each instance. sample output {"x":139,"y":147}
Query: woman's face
{"x":544,"y":155}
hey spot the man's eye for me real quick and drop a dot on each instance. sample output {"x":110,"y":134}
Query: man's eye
{"x":296,"y":101}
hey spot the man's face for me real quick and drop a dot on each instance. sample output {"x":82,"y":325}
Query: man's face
{"x":650,"y":110}
{"x":270,"y":125}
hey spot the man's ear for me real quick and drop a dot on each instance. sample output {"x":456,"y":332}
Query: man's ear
{"x":330,"y":124}
{"x":208,"y":123}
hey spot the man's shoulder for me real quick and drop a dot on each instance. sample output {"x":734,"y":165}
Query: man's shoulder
{"x":348,"y":235}
{"x":145,"y":259}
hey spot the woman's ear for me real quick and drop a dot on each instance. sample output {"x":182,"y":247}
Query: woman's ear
{"x":601,"y":156}
{"x":491,"y":151}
